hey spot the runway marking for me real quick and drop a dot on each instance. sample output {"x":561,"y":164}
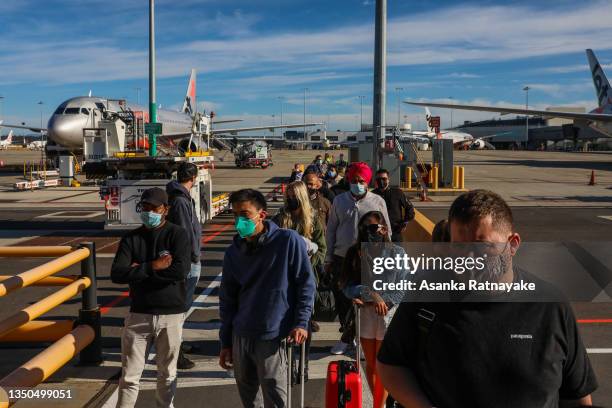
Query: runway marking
{"x":599,"y":350}
{"x":88,"y":214}
{"x":107,"y":245}
{"x":594,"y":320}
{"x":606,"y":217}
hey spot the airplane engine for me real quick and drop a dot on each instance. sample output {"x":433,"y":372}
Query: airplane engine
{"x":478,"y":144}
{"x":184,"y":146}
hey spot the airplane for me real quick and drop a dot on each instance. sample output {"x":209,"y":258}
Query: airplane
{"x":461,"y":140}
{"x":4,"y":144}
{"x":65,"y":127}
{"x":37,"y":145}
{"x":600,"y":118}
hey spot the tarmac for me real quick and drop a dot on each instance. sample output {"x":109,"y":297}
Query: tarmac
{"x":548,"y":192}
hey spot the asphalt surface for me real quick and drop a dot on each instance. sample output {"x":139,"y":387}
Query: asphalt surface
{"x":41,"y":224}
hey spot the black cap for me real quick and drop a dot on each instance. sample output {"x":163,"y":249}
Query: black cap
{"x":154,"y":196}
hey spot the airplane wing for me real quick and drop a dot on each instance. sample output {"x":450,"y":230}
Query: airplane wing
{"x":551,"y":114}
{"x":226,"y":121}
{"x":493,"y":135}
{"x":247,"y":129}
{"x":32,"y":128}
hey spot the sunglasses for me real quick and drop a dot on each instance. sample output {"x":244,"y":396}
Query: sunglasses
{"x":374,"y":228}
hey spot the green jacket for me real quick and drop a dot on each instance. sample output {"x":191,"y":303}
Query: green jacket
{"x":318,"y":237}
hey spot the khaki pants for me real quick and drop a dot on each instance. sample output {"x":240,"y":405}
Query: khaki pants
{"x":139,"y":333}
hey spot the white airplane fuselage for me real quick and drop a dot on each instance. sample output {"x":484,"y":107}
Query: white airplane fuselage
{"x":65,"y":127}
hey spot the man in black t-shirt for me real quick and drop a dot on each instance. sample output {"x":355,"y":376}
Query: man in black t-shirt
{"x":400,"y":209}
{"x":494,"y":354}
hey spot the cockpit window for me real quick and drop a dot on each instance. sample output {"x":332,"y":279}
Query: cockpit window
{"x":60,"y":109}
{"x":85,"y":111}
{"x":71,"y":111}
{"x":100,"y":106}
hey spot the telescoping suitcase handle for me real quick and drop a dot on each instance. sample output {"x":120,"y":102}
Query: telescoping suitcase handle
{"x":302,"y":363}
{"x":358,"y":337}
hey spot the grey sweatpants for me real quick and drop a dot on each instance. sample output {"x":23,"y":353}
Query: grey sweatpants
{"x":139,"y":333}
{"x":260,"y":363}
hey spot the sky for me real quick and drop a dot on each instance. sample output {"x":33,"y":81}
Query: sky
{"x":255,"y":58}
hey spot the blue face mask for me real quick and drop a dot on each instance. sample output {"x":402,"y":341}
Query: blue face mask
{"x":245,"y":226}
{"x":151,"y":219}
{"x":358,"y":189}
{"x":332,"y":174}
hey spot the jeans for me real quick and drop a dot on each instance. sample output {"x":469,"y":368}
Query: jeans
{"x":192,"y":283}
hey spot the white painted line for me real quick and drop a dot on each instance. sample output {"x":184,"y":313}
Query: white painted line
{"x":599,"y":350}
{"x":606,"y":217}
{"x":112,"y":400}
{"x":87,"y":214}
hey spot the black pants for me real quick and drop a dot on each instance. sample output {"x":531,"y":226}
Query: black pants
{"x":343,"y":304}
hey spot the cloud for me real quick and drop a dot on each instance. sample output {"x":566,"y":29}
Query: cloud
{"x":462,"y":75}
{"x":565,"y":69}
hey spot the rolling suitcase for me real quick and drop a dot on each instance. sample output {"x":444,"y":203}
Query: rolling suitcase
{"x":290,"y":378}
{"x":343,"y":384}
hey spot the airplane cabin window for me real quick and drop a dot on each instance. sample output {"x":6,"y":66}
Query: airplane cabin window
{"x":100,"y":106}
{"x":71,"y":111}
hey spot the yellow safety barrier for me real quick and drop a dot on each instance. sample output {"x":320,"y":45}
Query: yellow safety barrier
{"x":35,"y":274}
{"x":408,"y":177}
{"x":34,"y":251}
{"x":39,"y":331}
{"x":434,"y":178}
{"x":43,"y":306}
{"x":21,"y":326}
{"x":47,"y":362}
{"x":419,"y":230}
{"x":48,"y":281}
{"x":461,"y":176}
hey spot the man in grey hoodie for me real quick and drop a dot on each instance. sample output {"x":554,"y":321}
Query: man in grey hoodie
{"x":183,"y":213}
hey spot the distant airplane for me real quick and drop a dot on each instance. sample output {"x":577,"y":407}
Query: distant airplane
{"x":65,"y":127}
{"x":599,"y":118}
{"x":37,"y":145}
{"x":4,"y":144}
{"x":461,"y":140}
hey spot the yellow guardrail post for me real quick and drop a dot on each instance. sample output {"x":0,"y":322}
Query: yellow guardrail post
{"x":90,"y":310}
{"x":409,"y":177}
{"x":48,"y":281}
{"x":28,"y":277}
{"x":462,"y":177}
{"x":47,"y":362}
{"x":434,"y":178}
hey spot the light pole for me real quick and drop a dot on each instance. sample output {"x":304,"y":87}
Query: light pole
{"x":137,"y":95}
{"x":42,"y":151}
{"x":305,"y":89}
{"x":399,"y":113}
{"x":152,"y":90}
{"x":526,"y":89}
{"x":40,"y":104}
{"x":451,"y":98}
{"x":361,"y":112}
{"x":280,"y":98}
{"x":273,"y":124}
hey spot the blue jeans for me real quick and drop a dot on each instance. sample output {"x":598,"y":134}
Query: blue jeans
{"x":191,"y":283}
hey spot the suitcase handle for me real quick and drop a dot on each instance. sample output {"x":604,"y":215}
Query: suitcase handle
{"x":302,"y":364}
{"x":358,"y":337}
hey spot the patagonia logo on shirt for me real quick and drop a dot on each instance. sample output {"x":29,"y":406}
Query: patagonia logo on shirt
{"x":521,"y":336}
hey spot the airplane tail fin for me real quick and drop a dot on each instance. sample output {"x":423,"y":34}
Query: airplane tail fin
{"x":427,"y":116}
{"x":602,"y":86}
{"x":9,"y":138}
{"x":189,"y":105}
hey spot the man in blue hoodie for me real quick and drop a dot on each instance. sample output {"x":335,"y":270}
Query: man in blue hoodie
{"x":183,"y":213}
{"x":266,"y":298}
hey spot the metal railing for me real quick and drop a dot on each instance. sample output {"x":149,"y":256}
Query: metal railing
{"x":71,"y":337}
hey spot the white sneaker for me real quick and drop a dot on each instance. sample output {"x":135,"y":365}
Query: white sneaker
{"x":339,"y":348}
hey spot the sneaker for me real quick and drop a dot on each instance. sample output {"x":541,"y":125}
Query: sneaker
{"x":339,"y":348}
{"x":183,"y":362}
{"x":315,"y":326}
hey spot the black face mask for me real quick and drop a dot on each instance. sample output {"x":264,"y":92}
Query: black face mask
{"x":312,"y":192}
{"x":293,"y":204}
{"x":382,"y":183}
{"x":375,"y":237}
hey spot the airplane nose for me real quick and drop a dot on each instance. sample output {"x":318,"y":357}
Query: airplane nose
{"x":65,"y":131}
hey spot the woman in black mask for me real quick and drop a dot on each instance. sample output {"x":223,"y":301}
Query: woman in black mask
{"x":377,"y":307}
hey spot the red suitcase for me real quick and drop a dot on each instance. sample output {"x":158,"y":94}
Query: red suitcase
{"x":343,"y":385}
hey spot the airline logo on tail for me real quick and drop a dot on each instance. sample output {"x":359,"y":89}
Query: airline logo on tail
{"x":189,"y":105}
{"x":602,"y":86}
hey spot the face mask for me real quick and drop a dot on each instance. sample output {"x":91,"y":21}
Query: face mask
{"x":293,"y":204}
{"x":358,"y":189}
{"x":319,"y":161}
{"x":245,"y":226}
{"x":375,"y":237}
{"x":382,"y":183}
{"x":332,"y":174}
{"x":151,"y":219}
{"x":495,"y":267}
{"x":313,"y":193}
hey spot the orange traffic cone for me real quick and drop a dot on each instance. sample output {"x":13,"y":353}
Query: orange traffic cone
{"x":592,"y":180}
